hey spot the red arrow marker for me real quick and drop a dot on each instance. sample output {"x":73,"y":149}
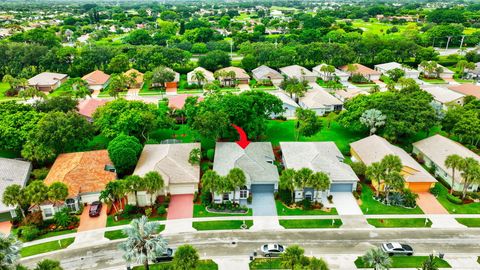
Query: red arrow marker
{"x":243,"y":142}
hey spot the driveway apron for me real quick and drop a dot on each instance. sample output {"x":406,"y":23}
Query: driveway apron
{"x":263,"y":203}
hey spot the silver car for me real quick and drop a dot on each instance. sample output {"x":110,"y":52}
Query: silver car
{"x":395,"y":248}
{"x":272,"y":250}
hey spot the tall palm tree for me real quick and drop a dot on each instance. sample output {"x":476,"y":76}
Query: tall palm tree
{"x":376,"y":172}
{"x":292,"y":257}
{"x":317,"y":264}
{"x":392,"y":163}
{"x":237,"y":179}
{"x":454,"y":162}
{"x":210,"y":182}
{"x":393,"y":181}
{"x":377,"y":259}
{"x":470,"y":174}
{"x":14,"y":195}
{"x":199,"y":76}
{"x":319,"y":181}
{"x":287,"y":182}
{"x":301,"y":178}
{"x":10,"y":250}
{"x":153,"y":183}
{"x":135,"y":183}
{"x":430,"y":263}
{"x":143,"y":242}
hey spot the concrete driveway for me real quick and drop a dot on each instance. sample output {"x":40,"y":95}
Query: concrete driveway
{"x":346,"y":204}
{"x":263,"y":203}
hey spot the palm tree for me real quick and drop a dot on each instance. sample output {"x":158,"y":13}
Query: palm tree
{"x":301,"y":178}
{"x":31,"y":92}
{"x":377,"y":259}
{"x":237,"y":179}
{"x":135,"y":183}
{"x":10,"y":250}
{"x":393,"y":181}
{"x":210,"y":182}
{"x":317,"y":264}
{"x":430,"y":263}
{"x":143,"y":242}
{"x":392,"y":163}
{"x":36,"y":192}
{"x":470,"y":174}
{"x":319,"y":181}
{"x":153,"y":183}
{"x":14,"y":195}
{"x":199,"y":76}
{"x":292,"y":256}
{"x":287,"y":182}
{"x":453,"y":162}
{"x":375,"y":172}
{"x":57,"y":192}
{"x":185,"y":258}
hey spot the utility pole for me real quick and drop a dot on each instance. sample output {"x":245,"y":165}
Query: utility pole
{"x":448,"y":42}
{"x":461,"y":42}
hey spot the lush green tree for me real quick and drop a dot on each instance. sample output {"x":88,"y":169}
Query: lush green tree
{"x":14,"y":195}
{"x":57,"y":192}
{"x":195,"y":156}
{"x":199,"y":76}
{"x":118,"y":83}
{"x":249,"y":62}
{"x":186,"y":257}
{"x":292,"y":257}
{"x":36,"y":192}
{"x":138,"y":37}
{"x":470,"y":174}
{"x":453,"y":162}
{"x":47,"y":264}
{"x":56,"y":104}
{"x":375,"y":172}
{"x":211,"y":182}
{"x":287,"y":181}
{"x":153,"y":183}
{"x":31,"y":92}
{"x":294,"y":87}
{"x":211,"y":124}
{"x":308,"y":123}
{"x":114,"y":191}
{"x":319,"y":181}
{"x":161,"y":75}
{"x":317,"y":264}
{"x":120,"y":63}
{"x":430,"y":263}
{"x":377,"y":259}
{"x":214,"y":60}
{"x":124,"y":151}
{"x":9,"y":251}
{"x":301,"y":178}
{"x":237,"y":179}
{"x":396,"y":74}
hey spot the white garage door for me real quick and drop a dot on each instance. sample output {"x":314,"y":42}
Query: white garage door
{"x":182,"y":189}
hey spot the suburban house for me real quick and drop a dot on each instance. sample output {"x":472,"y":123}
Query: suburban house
{"x":171,"y":162}
{"x":12,"y":172}
{"x":342,"y":76}
{"x":47,"y":81}
{"x":298,"y":72}
{"x":374,"y":148}
{"x":434,"y":151}
{"x":289,"y":105}
{"x":349,"y":93}
{"x":97,"y":80}
{"x":445,"y":74}
{"x":85,"y":173}
{"x":256,"y":161}
{"x":171,"y":87}
{"x":87,"y":107}
{"x":366,"y":72}
{"x":319,"y":157}
{"x":474,"y":74}
{"x":240,"y":76}
{"x":267,"y":74}
{"x":177,"y":102}
{"x":443,"y":97}
{"x":409,"y":72}
{"x":137,"y":76}
{"x":320,"y":101}
{"x":191,"y":79}
{"x":467,"y":89}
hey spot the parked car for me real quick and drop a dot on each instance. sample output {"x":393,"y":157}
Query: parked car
{"x":95,"y":209}
{"x":395,"y":248}
{"x":166,"y":256}
{"x":272,"y":250}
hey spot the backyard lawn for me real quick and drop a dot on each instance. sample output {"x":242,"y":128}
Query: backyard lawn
{"x":202,"y":265}
{"x":221,"y":225}
{"x":46,"y":247}
{"x":278,"y":131}
{"x":266,"y":263}
{"x":118,"y":234}
{"x":200,"y":211}
{"x":283,"y":210}
{"x":471,"y":208}
{"x":310,"y":223}
{"x":406,"y":262}
{"x":182,"y":133}
{"x":3,"y":88}
{"x":400,"y":223}
{"x":111,"y":221}
{"x":469,"y":222}
{"x":370,"y":206}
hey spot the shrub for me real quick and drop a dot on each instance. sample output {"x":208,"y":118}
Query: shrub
{"x":454,"y":199}
{"x":359,"y":189}
{"x":249,"y":199}
{"x":356,"y":195}
{"x":195,"y":196}
{"x":130,"y":209}
{"x":40,"y":174}
{"x":435,"y":190}
{"x":29,"y":233}
{"x":285,"y":196}
{"x":206,"y":198}
{"x":409,"y":198}
{"x":210,"y":154}
{"x":205,"y":166}
{"x":62,"y":218}
{"x":357,"y":78}
{"x":396,"y":198}
{"x":161,"y":210}
{"x":306,"y":204}
{"x":167,"y":200}
{"x":359,"y":168}
{"x":148,"y":212}
{"x":330,"y":198}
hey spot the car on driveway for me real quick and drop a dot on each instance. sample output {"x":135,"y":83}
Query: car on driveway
{"x":166,"y":256}
{"x":95,"y":209}
{"x":272,"y":250}
{"x":395,"y":248}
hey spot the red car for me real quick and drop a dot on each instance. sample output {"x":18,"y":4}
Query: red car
{"x":95,"y":209}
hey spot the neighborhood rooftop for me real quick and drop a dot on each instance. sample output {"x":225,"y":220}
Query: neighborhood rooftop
{"x":12,"y":172}
{"x":443,"y":95}
{"x":46,"y":78}
{"x":467,"y":89}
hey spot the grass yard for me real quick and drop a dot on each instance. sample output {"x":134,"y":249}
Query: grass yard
{"x":52,"y":234}
{"x":182,"y":133}
{"x":118,"y":234}
{"x":400,"y":223}
{"x":3,"y":89}
{"x":46,"y":247}
{"x":310,"y":223}
{"x":266,"y":263}
{"x":202,"y":265}
{"x":370,"y":206}
{"x":405,"y":262}
{"x":283,"y":131}
{"x":469,"y":222}
{"x":283,"y":210}
{"x":221,"y":225}
{"x":471,"y":208}
{"x":111,"y":221}
{"x":200,"y":211}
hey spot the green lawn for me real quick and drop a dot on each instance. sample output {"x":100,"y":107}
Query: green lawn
{"x":399,"y":223}
{"x":182,"y":133}
{"x":46,"y":247}
{"x":9,"y":154}
{"x":118,"y":234}
{"x":310,"y":223}
{"x":406,"y":262}
{"x":283,"y":131}
{"x":471,"y":208}
{"x":370,"y":206}
{"x":52,"y":234}
{"x":221,"y":225}
{"x":3,"y":88}
{"x":266,"y":263}
{"x":469,"y":222}
{"x":202,"y":265}
{"x":282,"y":210}
{"x":111,"y":221}
{"x":200,"y":211}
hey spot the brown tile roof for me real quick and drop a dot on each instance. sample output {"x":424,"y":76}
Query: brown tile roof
{"x":88,"y":106}
{"x":467,"y":89}
{"x":96,"y":77}
{"x":178,"y":101}
{"x":361,"y":69}
{"x":82,"y":172}
{"x":138,"y":79}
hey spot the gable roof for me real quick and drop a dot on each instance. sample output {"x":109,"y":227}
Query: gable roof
{"x":253,"y":160}
{"x":82,"y":172}
{"x":46,"y":79}
{"x":337,"y":72}
{"x":208,"y":74}
{"x":296,"y":71}
{"x":170,"y":161}
{"x":138,"y":79}
{"x":88,"y":106}
{"x":317,"y":97}
{"x":264,"y":72}
{"x":240,"y":73}
{"x":443,"y":95}
{"x":319,"y":157}
{"x":437,"y":148}
{"x":284,"y":98}
{"x":361,"y":69}
{"x":96,"y":77}
{"x":12,"y":172}
{"x":467,"y":89}
{"x":374,"y":148}
{"x":393,"y":65}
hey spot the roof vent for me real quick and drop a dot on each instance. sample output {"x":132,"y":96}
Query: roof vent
{"x":110,"y":168}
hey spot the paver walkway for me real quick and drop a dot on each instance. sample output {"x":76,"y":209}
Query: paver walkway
{"x":88,"y":223}
{"x":429,"y":204}
{"x":5,"y":227}
{"x":181,"y":206}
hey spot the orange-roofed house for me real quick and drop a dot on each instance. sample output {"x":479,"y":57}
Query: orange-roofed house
{"x":85,"y":173}
{"x":137,"y":77}
{"x":467,"y":89}
{"x":87,"y":107}
{"x":178,"y":102}
{"x":366,"y":72}
{"x":97,"y":80}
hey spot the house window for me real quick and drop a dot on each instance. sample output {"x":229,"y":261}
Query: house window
{"x":226,"y":196}
{"x":308,"y":196}
{"x":243,"y":192}
{"x":47,"y":212}
{"x":70,"y":203}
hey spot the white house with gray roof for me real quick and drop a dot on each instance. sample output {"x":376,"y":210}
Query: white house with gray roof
{"x":289,"y":105}
{"x":319,"y":100}
{"x":444,"y":97}
{"x":264,"y":73}
{"x":298,"y":72}
{"x":256,"y":161}
{"x":12,"y":172}
{"x":319,"y":157}
{"x":386,"y":67}
{"x":341,"y":75}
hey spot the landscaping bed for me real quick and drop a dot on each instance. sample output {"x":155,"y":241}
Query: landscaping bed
{"x":266,"y":263}
{"x":310,"y":223}
{"x":46,"y":247}
{"x":283,"y":210}
{"x":453,"y":208}
{"x":221,"y":225}
{"x":469,"y":222}
{"x":405,"y":262}
{"x":400,"y":223}
{"x":202,"y":265}
{"x":199,"y":210}
{"x":370,"y":206}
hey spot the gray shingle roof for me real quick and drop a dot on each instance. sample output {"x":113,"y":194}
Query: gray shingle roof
{"x":264,"y":72}
{"x":12,"y":172}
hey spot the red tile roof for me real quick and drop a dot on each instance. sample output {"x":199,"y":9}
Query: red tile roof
{"x":96,"y":77}
{"x":467,"y":89}
{"x":178,"y":101}
{"x":88,"y":106}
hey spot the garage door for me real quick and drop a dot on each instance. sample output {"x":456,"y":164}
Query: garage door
{"x":261,"y":188}
{"x":344,"y":187}
{"x":182,"y":189}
